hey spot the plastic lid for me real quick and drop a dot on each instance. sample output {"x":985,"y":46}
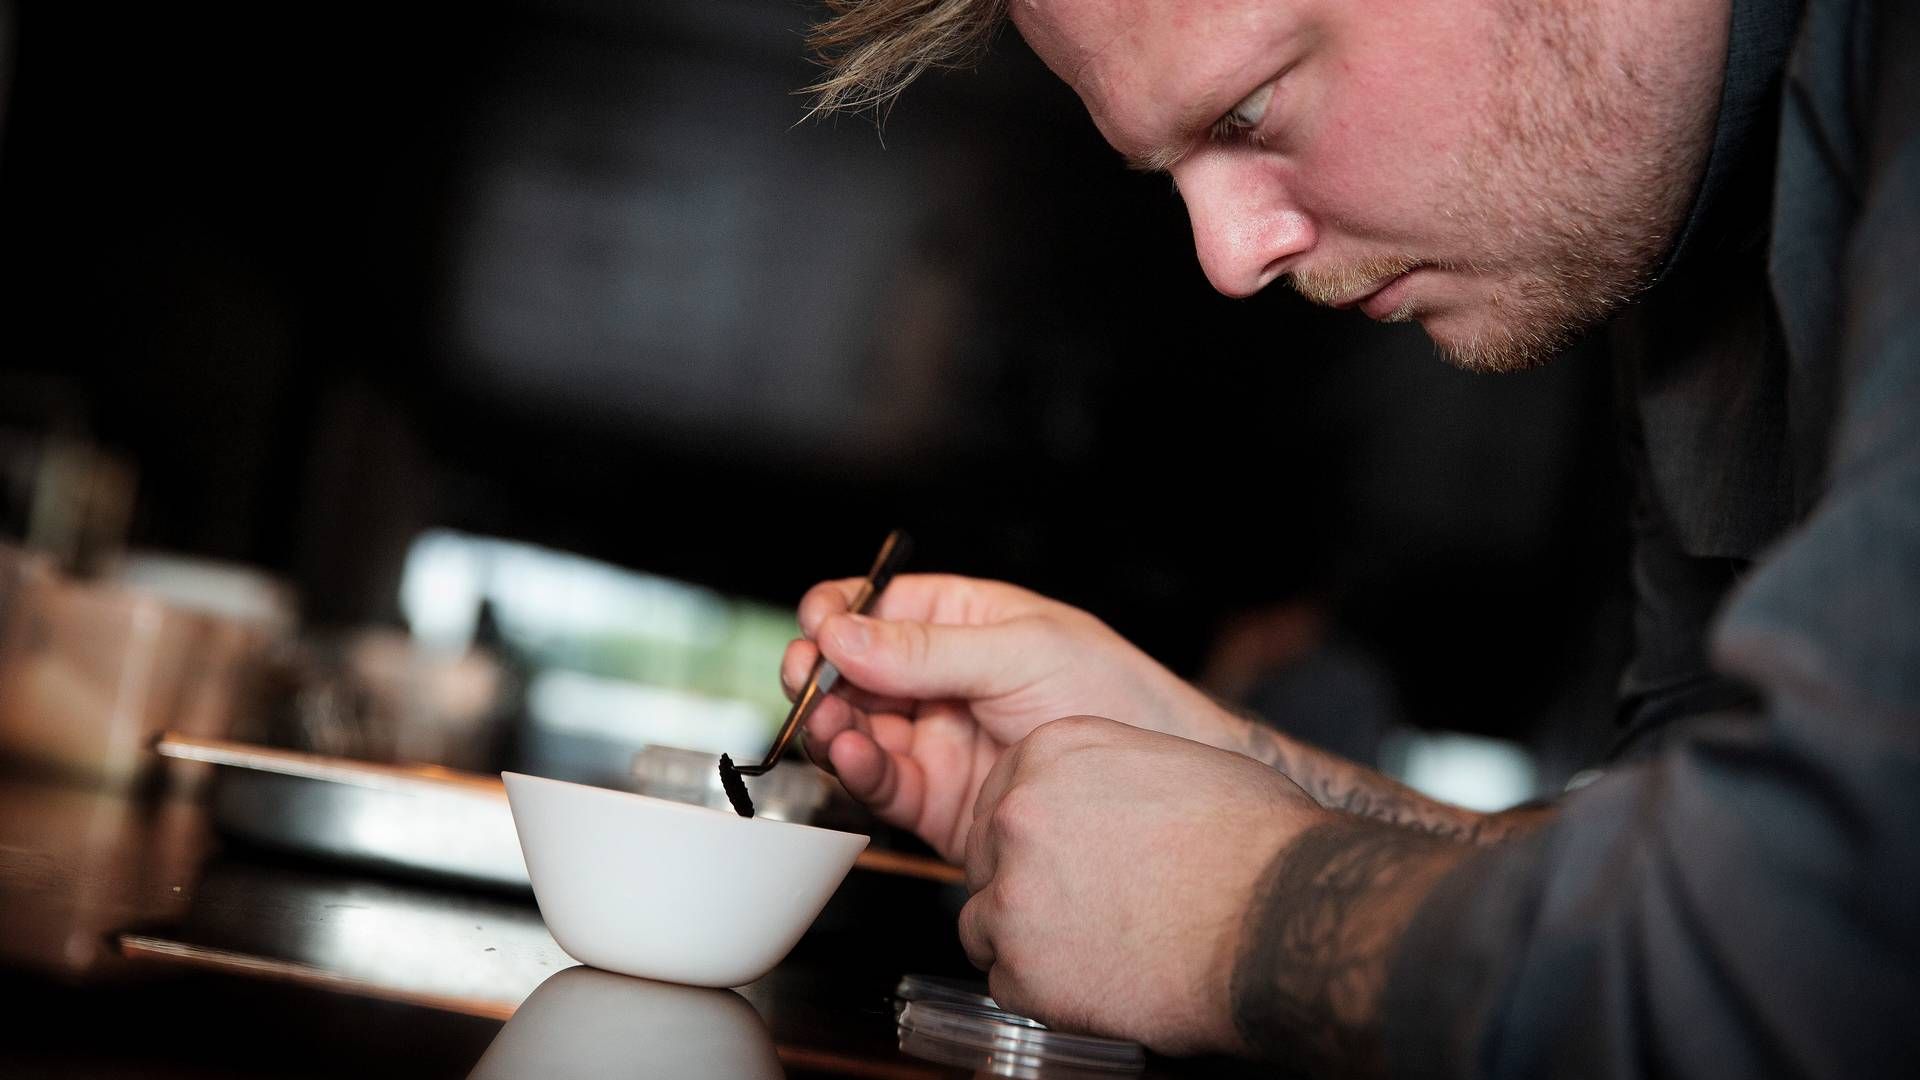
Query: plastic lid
{"x":981,"y":1037}
{"x":937,"y":988}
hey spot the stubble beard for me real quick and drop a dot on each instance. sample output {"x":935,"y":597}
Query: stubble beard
{"x":1335,"y":284}
{"x":1580,"y":176}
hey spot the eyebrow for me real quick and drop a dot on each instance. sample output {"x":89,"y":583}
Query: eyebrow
{"x":1193,"y":125}
{"x":1160,"y":160}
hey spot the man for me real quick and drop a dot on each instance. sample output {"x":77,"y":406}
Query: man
{"x":1733,"y":188}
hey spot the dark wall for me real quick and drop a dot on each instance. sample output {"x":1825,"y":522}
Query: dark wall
{"x":573,"y":271}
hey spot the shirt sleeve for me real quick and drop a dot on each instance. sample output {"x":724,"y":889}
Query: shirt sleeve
{"x":1747,"y":902}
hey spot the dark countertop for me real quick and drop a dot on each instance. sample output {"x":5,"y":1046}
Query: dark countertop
{"x":134,"y":942}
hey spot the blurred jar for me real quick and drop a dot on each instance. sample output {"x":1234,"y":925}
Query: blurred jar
{"x":378,"y":694}
{"x":92,"y":670}
{"x":432,"y":705}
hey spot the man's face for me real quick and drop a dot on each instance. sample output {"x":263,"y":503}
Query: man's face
{"x":1506,"y":172}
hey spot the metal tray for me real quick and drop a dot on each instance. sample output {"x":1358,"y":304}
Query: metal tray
{"x":413,"y":819}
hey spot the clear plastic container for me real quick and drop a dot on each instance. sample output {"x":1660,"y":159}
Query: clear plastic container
{"x":939,"y":988}
{"x":936,"y":1027}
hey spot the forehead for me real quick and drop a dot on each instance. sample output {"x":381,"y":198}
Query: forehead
{"x":1142,"y":66}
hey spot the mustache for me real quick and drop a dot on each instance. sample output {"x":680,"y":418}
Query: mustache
{"x":1332,"y":285}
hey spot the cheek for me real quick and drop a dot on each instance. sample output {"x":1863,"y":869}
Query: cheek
{"x":1385,"y":158}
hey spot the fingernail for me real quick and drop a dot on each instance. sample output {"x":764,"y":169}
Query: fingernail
{"x":853,"y":634}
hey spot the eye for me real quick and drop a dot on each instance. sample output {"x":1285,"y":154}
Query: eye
{"x":1245,"y":116}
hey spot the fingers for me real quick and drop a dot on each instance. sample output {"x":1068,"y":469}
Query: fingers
{"x":976,"y":930}
{"x":888,"y":726}
{"x":796,"y":667}
{"x":918,"y":597}
{"x":955,"y":754}
{"x":917,"y":773}
{"x":982,"y":857}
{"x":922,"y":661}
{"x":829,"y":718}
{"x":892,"y":785}
{"x":931,"y":636}
{"x":820,"y":760}
{"x":862,"y":766}
{"x":995,"y":819}
{"x":983,"y":845}
{"x":1005,"y":993}
{"x":886,"y":666}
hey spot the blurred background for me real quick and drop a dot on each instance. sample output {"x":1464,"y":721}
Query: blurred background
{"x":483,"y":384}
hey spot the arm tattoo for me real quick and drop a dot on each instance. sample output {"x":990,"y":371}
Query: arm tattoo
{"x":1338,"y":784}
{"x":1355,"y":791}
{"x":1313,"y":957}
{"x":1263,"y":744}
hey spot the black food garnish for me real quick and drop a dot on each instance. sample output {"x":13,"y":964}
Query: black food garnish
{"x":736,"y":788}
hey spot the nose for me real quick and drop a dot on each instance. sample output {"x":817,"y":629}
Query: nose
{"x":1246,"y":229}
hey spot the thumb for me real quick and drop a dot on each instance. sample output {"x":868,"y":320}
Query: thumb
{"x":927,"y":661}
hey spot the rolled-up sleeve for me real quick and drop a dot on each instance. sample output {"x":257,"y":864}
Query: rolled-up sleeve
{"x":1748,"y":902}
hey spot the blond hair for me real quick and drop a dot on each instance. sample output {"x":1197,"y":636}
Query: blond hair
{"x":872,"y":49}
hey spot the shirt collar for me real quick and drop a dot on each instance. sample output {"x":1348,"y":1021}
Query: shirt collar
{"x":1759,"y":36}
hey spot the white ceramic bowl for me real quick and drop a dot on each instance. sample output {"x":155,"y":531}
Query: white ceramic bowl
{"x":666,"y":890}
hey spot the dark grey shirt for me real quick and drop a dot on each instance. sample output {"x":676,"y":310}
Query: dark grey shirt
{"x":1740,"y":894}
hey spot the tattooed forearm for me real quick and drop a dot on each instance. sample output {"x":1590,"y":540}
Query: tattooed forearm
{"x":1342,"y":785}
{"x":1252,"y":737}
{"x":1338,"y":784}
{"x":1387,"y":800}
{"x":1316,"y":944}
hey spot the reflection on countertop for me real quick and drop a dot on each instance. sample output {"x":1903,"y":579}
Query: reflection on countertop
{"x":124,"y":918}
{"x":587,"y":1023}
{"x":461,"y":951}
{"x":99,"y":884}
{"x":77,"y":864}
{"x":141,"y":947}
